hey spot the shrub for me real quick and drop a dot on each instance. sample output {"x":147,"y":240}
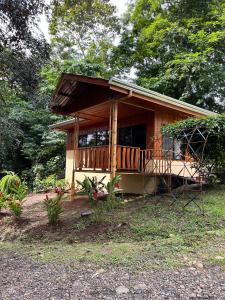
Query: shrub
{"x":61,"y":184}
{"x":9,"y":182}
{"x":13,"y":193}
{"x":53,"y":206}
{"x":45,"y":184}
{"x":2,"y":200}
{"x":50,"y":183}
{"x":15,"y":207}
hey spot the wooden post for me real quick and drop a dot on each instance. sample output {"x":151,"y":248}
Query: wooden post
{"x":114,"y":139}
{"x":75,"y":147}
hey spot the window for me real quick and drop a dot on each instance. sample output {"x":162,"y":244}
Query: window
{"x":167,"y":143}
{"x":170,"y":144}
{"x":177,"y":149}
{"x":97,"y":138}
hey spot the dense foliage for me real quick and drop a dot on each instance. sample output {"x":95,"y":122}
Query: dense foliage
{"x":177,"y":48}
{"x":25,"y":141}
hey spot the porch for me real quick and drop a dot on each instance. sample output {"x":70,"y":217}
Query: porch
{"x":129,"y":159}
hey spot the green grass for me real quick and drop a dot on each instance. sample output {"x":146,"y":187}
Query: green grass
{"x":153,"y":234}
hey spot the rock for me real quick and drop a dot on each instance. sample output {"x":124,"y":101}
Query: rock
{"x":122,"y":290}
{"x":100,"y":271}
{"x":199,"y":265}
{"x":87,"y":213}
{"x":140,"y":287}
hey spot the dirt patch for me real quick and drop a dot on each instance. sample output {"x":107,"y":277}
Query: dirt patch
{"x":34,"y":222}
{"x":33,"y":225}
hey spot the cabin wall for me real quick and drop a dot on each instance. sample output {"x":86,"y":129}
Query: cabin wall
{"x":164,"y":117}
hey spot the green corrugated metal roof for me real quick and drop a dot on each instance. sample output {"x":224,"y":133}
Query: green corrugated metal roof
{"x":162,"y":98}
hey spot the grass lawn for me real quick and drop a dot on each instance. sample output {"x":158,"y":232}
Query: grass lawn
{"x":140,"y":233}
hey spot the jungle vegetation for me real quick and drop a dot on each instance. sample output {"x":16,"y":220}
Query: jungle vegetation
{"x":175,"y":47}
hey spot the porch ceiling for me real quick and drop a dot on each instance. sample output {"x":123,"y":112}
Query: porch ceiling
{"x":98,"y":116}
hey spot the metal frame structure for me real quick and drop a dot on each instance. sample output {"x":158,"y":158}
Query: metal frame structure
{"x":184,"y":169}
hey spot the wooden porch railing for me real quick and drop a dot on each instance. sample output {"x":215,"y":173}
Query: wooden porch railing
{"x":92,"y":158}
{"x":128,"y":158}
{"x":155,"y":161}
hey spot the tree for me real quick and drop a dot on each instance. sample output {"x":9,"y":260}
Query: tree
{"x":25,"y":140}
{"x":177,"y":48}
{"x":76,"y":25}
{"x":23,"y":49}
{"x":82,"y":35}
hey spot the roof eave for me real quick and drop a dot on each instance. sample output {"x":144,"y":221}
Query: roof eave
{"x":162,"y":98}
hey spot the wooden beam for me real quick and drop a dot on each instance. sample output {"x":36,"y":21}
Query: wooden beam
{"x":138,"y":106}
{"x":114,"y":139}
{"x":75,"y":152}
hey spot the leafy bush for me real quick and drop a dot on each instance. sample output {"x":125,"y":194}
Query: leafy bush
{"x":15,"y":207}
{"x":13,"y":192}
{"x":53,"y":207}
{"x":9,"y":182}
{"x":91,"y":187}
{"x":214,"y":151}
{"x":50,"y":183}
{"x":45,"y":184}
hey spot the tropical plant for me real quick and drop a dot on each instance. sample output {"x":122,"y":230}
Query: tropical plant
{"x":91,"y":187}
{"x":15,"y":206}
{"x":53,"y":206}
{"x":13,"y":193}
{"x":2,"y":200}
{"x":113,"y":187}
{"x":9,"y":183}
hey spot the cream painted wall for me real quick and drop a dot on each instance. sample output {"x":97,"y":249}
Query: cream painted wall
{"x":138,"y":183}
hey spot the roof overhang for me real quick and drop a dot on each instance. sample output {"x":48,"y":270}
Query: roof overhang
{"x":76,"y":93}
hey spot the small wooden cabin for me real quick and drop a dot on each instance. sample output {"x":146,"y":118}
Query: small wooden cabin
{"x":115,"y":127}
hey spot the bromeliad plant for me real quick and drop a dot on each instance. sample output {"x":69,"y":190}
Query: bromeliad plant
{"x":91,"y":187}
{"x":53,"y":206}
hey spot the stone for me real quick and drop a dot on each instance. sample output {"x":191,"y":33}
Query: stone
{"x":140,"y":287}
{"x":122,"y":290}
{"x":98,"y":272}
{"x":199,"y":265}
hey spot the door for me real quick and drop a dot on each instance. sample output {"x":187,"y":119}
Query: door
{"x":133,"y":136}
